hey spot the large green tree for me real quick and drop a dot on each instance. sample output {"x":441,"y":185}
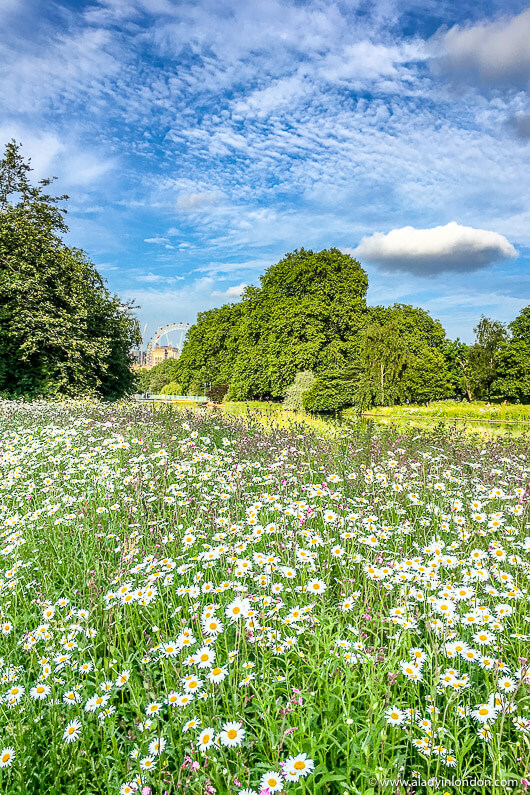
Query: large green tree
{"x":490,"y":337}
{"x":401,"y":358}
{"x":61,"y":331}
{"x":306,"y":315}
{"x":513,"y":362}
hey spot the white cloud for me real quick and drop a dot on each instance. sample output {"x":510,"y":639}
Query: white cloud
{"x":233,"y":292}
{"x":158,"y":241}
{"x":428,"y":251}
{"x":490,"y":53}
{"x":64,"y":157}
{"x":196,"y":201}
{"x":158,"y":278}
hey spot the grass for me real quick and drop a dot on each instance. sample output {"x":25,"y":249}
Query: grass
{"x":453,"y":409}
{"x":341,"y":569}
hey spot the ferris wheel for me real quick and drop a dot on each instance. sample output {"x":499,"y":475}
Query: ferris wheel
{"x":181,"y":328}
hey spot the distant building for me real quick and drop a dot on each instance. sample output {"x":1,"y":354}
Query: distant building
{"x":160,"y":354}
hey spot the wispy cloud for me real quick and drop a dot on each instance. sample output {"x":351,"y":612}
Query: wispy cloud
{"x":212,"y":137}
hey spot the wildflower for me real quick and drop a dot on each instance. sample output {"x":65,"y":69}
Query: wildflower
{"x":7,"y":756}
{"x":217,"y":674}
{"x":484,"y":713}
{"x":316,"y":587}
{"x":394,"y":716}
{"x":238,"y":608}
{"x":156,"y":746}
{"x":153,"y":708}
{"x":205,"y":657}
{"x":206,"y":739}
{"x":148,"y":763}
{"x":122,"y":678}
{"x":232,"y":735}
{"x":297,"y":767}
{"x":40,"y":692}
{"x":271,"y":781}
{"x":72,"y":731}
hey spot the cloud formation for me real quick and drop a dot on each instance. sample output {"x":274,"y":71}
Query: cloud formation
{"x":430,"y":251}
{"x":233,"y":292}
{"x":490,"y":53}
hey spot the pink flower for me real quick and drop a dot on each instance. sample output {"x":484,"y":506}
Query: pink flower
{"x":146,"y":791}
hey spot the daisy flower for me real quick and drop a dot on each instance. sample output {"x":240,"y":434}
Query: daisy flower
{"x":297,"y":767}
{"x":206,"y":739}
{"x":156,"y":746}
{"x":271,"y":781}
{"x":217,"y":674}
{"x":232,"y":735}
{"x":7,"y":756}
{"x":72,"y":731}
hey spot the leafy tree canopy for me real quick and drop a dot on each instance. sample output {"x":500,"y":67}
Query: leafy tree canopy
{"x":513,"y":361}
{"x":61,"y":331}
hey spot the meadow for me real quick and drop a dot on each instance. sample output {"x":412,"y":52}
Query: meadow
{"x":477,"y":411}
{"x":200,"y":602}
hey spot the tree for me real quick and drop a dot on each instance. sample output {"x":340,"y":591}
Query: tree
{"x":513,"y":361}
{"x":459,"y":369}
{"x":210,"y":349}
{"x":302,"y":383}
{"x":402,"y":358}
{"x":306,"y":315}
{"x":490,"y":336}
{"x":173,"y":388}
{"x":61,"y":331}
{"x":159,"y":376}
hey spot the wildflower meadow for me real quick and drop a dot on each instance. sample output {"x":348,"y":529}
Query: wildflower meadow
{"x":198,"y":603}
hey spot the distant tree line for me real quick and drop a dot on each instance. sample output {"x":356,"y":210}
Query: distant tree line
{"x":307,"y":336}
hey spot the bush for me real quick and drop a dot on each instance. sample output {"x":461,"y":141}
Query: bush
{"x":217,"y":393}
{"x":328,"y":395}
{"x":173,"y":388}
{"x":294,"y":396}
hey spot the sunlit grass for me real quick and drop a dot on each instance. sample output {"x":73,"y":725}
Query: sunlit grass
{"x":124,"y":526}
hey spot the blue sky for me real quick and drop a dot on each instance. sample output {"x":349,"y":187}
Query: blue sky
{"x":201,"y":140}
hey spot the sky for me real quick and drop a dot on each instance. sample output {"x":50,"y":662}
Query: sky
{"x":200,"y":141}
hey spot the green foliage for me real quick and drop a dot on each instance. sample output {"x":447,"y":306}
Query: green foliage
{"x":61,"y":331}
{"x":306,"y":315}
{"x":402,"y":359}
{"x":210,"y":349}
{"x":490,"y":338}
{"x":173,"y":388}
{"x":333,"y":391}
{"x":217,"y":393}
{"x":159,"y":376}
{"x":302,"y":383}
{"x":458,"y":368}
{"x":513,"y":361}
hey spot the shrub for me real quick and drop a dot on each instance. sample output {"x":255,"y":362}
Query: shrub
{"x":294,"y":396}
{"x":173,"y":388}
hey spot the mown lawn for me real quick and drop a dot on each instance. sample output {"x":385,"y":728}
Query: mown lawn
{"x":452,"y":409}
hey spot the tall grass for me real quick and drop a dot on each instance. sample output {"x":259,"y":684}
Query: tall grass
{"x":341,"y":568}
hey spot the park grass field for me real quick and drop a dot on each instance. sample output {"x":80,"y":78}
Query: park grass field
{"x":194,"y":603}
{"x":456,"y":410}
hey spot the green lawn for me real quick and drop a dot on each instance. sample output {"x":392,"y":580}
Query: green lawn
{"x":452,"y":409}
